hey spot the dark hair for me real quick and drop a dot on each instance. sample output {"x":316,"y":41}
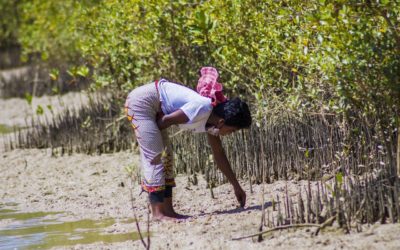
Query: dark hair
{"x":235,"y":112}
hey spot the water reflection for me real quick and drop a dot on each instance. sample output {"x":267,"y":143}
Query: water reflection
{"x":46,"y":230}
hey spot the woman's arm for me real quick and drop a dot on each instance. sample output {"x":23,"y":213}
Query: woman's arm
{"x":177,"y":117}
{"x":223,"y":164}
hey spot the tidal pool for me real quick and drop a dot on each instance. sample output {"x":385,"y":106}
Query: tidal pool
{"x":44,"y":230}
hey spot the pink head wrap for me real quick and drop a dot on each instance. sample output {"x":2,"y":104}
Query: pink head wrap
{"x":209,"y":87}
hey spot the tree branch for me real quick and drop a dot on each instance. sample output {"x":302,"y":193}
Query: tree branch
{"x":276,"y":229}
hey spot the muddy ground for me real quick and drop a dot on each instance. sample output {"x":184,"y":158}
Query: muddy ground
{"x":98,"y":187}
{"x":95,"y":187}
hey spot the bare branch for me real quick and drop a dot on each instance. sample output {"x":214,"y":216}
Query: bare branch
{"x":278,"y":228}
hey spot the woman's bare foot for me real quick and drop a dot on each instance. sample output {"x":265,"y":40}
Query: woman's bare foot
{"x":175,"y":215}
{"x":168,"y":209}
{"x":161,"y":212}
{"x":159,"y":218}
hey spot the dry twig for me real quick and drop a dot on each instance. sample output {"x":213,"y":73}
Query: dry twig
{"x":277,"y":228}
{"x":328,"y":222}
{"x":147,"y":246}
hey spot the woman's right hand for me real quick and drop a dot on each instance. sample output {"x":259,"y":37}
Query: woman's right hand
{"x":159,"y":119}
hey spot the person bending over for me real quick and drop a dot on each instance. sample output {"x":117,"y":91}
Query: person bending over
{"x":154,"y":107}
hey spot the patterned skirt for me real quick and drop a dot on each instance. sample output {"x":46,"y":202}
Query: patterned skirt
{"x":141,"y":107}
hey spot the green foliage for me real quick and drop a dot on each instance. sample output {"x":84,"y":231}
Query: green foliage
{"x":326,"y":57}
{"x":28,"y":98}
{"x":9,"y":22}
{"x":39,"y":110}
{"x":339,"y":179}
{"x":54,"y":74}
{"x":130,"y":169}
{"x":51,"y":29}
{"x":5,"y":129}
{"x":87,"y":123}
{"x":76,"y":71}
{"x":49,"y":107}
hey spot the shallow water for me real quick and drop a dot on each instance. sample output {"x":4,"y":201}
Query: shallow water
{"x":46,"y":229}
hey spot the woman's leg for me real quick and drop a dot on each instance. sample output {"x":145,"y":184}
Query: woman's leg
{"x":168,"y":205}
{"x":153,"y":169}
{"x":168,"y":161}
{"x":157,"y":171}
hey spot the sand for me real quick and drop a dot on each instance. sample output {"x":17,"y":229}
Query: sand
{"x":90,"y":187}
{"x":98,"y":186}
